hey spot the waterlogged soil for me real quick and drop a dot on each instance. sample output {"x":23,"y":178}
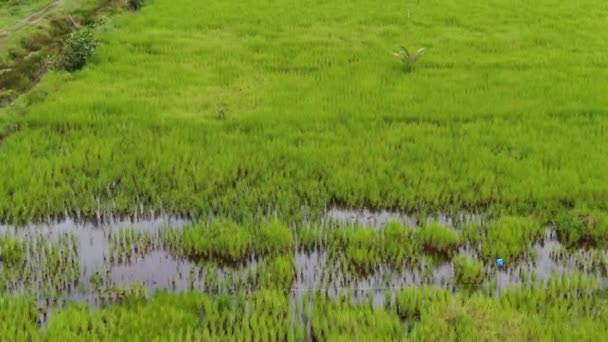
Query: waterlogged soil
{"x":101,"y":272}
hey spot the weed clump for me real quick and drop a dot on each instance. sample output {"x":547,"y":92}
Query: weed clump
{"x":77,"y":51}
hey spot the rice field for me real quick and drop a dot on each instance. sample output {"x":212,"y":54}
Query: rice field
{"x":249,"y":170}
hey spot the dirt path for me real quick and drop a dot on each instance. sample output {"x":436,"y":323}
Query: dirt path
{"x":29,"y":20}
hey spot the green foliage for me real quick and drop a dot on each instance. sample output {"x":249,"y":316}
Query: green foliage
{"x":12,"y":252}
{"x":411,"y":302}
{"x":18,"y":318}
{"x":277,"y":273}
{"x":498,"y":135}
{"x":77,"y":50}
{"x":397,"y":243}
{"x":274,"y":238}
{"x":475,"y":319}
{"x":409,"y":60}
{"x":468,"y":273}
{"x":438,"y":239}
{"x":341,"y":320}
{"x":498,"y":119}
{"x":135,"y":5}
{"x":224,"y":239}
{"x":361,"y":250}
{"x":583,"y":227}
{"x":508,"y":237}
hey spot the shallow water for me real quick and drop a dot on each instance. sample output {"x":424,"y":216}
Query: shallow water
{"x":379,"y":219}
{"x":99,"y":271}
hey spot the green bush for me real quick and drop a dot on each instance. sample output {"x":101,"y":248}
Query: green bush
{"x":438,"y":239}
{"x":77,"y":51}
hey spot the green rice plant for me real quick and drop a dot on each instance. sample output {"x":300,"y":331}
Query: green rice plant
{"x":361,"y":251}
{"x":341,"y":319}
{"x":308,"y":236}
{"x":397,"y":243}
{"x":274,"y":238}
{"x":583,"y":228}
{"x":129,"y":242}
{"x":508,"y":237}
{"x":409,"y":60}
{"x":410,"y":302}
{"x":437,"y":239}
{"x":224,"y":239}
{"x":468,"y":272}
{"x":276,"y":273}
{"x":475,"y":319}
{"x":12,"y":252}
{"x":19,"y":318}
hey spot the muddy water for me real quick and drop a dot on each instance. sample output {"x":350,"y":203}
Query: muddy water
{"x":100,"y":271}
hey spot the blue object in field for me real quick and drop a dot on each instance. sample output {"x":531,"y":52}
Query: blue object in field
{"x":500,"y":262}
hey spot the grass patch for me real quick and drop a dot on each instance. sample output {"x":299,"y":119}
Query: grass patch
{"x":437,"y":239}
{"x":583,"y":228}
{"x":508,"y":237}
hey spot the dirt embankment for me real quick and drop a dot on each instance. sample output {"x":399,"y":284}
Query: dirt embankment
{"x":27,"y":63}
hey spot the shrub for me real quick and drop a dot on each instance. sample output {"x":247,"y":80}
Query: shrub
{"x":438,"y":239}
{"x":77,"y":51}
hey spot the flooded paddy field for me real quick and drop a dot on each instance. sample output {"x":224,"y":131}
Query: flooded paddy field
{"x":102,"y":262}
